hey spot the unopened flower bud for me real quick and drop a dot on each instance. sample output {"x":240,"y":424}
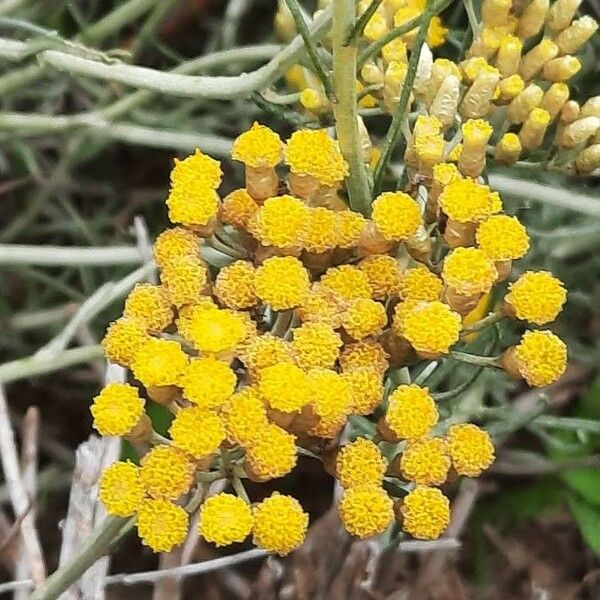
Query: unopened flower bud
{"x":536,"y":58}
{"x":445,"y":103}
{"x":376,"y":28}
{"x":524,"y":103}
{"x":569,"y":112}
{"x":561,"y":14}
{"x":588,"y":160}
{"x":478,"y":99}
{"x":427,"y":125}
{"x":424,"y":68}
{"x":510,"y":88}
{"x":554,"y":98}
{"x":532,"y":19}
{"x":495,"y":12}
{"x":573,"y":37}
{"x":285,"y":26}
{"x":395,"y":74}
{"x":365,"y":140}
{"x":534,"y":128}
{"x":429,"y":150}
{"x":509,"y":55}
{"x":471,"y":67}
{"x":508,"y":149}
{"x":394,"y":50}
{"x":591,"y":108}
{"x":487,"y":43}
{"x":561,"y":69}
{"x":314,"y":101}
{"x":441,"y":68}
{"x":578,"y":132}
{"x":371,"y":73}
{"x":476,"y":134}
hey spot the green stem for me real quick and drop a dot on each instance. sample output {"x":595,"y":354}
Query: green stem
{"x":473,"y":22}
{"x":473,"y":359}
{"x":240,"y":490}
{"x":197,"y":499}
{"x":488,"y":320}
{"x":345,"y":109}
{"x":362,"y":22}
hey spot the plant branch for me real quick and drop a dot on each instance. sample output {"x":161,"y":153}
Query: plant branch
{"x":362,"y":21}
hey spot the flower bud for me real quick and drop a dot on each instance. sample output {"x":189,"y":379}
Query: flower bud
{"x":395,"y":74}
{"x":376,"y":28}
{"x":578,"y":132}
{"x":445,"y":103}
{"x":314,"y":101}
{"x":478,"y":99}
{"x":510,"y":88}
{"x":487,"y":43}
{"x":495,"y":12}
{"x":524,"y":103}
{"x":532,"y":19}
{"x":429,"y":150}
{"x":561,"y":69}
{"x":471,"y":67}
{"x":588,"y":160}
{"x":476,"y":134}
{"x":285,"y":26}
{"x":536,"y":58}
{"x":508,"y":149}
{"x":554,"y":98}
{"x":591,"y":108}
{"x":561,"y":14}
{"x":534,"y":128}
{"x":441,"y":68}
{"x":573,"y":37}
{"x":394,"y":50}
{"x":569,"y":112}
{"x":509,"y":55}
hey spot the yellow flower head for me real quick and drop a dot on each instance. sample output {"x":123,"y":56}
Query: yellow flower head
{"x":117,"y":409}
{"x":321,"y":230}
{"x":284,"y":387}
{"x":123,"y":339}
{"x":469,"y":271}
{"x":316,"y":345}
{"x":149,"y":304}
{"x":214,"y":330}
{"x":425,"y":513}
{"x":225,"y":519}
{"x":331,"y":400}
{"x":322,"y":305}
{"x":238,"y":208}
{"x":476,"y":132}
{"x":282,"y":282}
{"x":470,"y":448}
{"x":394,"y":51}
{"x":360,"y":463}
{"x":244,"y":416}
{"x":272,"y":454}
{"x":366,"y":353}
{"x":258,"y":147}
{"x":184,"y":317}
{"x":159,"y":362}
{"x":184,"y":278}
{"x":166,"y":472}
{"x":366,"y":510}
{"x":161,"y":524}
{"x":347,"y":281}
{"x":465,"y":201}
{"x":234,"y":285}
{"x":376,"y":27}
{"x":279,"y":524}
{"x":384,"y":275}
{"x":502,"y":238}
{"x":315,"y":153}
{"x":281,"y":222}
{"x":197,"y":431}
{"x":174,"y":243}
{"x":541,"y":357}
{"x":364,"y":317}
{"x":411,"y":412}
{"x":207,"y":382}
{"x":436,"y":34}
{"x":197,"y":171}
{"x":537,"y":297}
{"x":350,"y":226}
{"x":426,"y":462}
{"x":366,"y":387}
{"x":194,"y":207}
{"x":264,"y":351}
{"x":121,"y":489}
{"x":396,"y":215}
{"x":431,"y":327}
{"x":420,"y":283}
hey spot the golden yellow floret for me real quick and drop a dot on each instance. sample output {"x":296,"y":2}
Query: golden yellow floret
{"x":316,"y":153}
{"x":364,"y":317}
{"x":264,"y":351}
{"x":194,"y":206}
{"x":366,"y":387}
{"x":123,"y":339}
{"x":396,"y":215}
{"x":322,"y":305}
{"x":258,"y":147}
{"x":502,"y":238}
{"x":159,"y":362}
{"x":425,"y":513}
{"x":476,"y":132}
{"x":284,"y":387}
{"x":470,"y":448}
{"x":366,"y":510}
{"x":384,"y":275}
{"x":536,"y":297}
{"x":117,"y":409}
{"x":411,"y":412}
{"x":238,"y":208}
{"x":541,"y":357}
{"x":425,"y":462}
{"x":282,"y":282}
{"x":173,"y":243}
{"x":281,"y":222}
{"x":347,"y":281}
{"x":161,"y":524}
{"x":214,"y":330}
{"x":244,"y":416}
{"x":151,"y":305}
{"x":197,"y":431}
{"x":121,"y":489}
{"x":465,"y":200}
{"x":321,"y":230}
{"x":279,"y":524}
{"x":350,"y":226}
{"x":234,"y":285}
{"x":184,"y":316}
{"x":184,"y":278}
{"x":225,"y":519}
{"x":166,"y":472}
{"x":431,"y":327}
{"x":330,"y":399}
{"x":420,"y":283}
{"x":469,"y":271}
{"x":360,"y":463}
{"x":272,"y":454}
{"x":316,"y":345}
{"x":207,"y":382}
{"x":197,"y":170}
{"x":366,"y":353}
